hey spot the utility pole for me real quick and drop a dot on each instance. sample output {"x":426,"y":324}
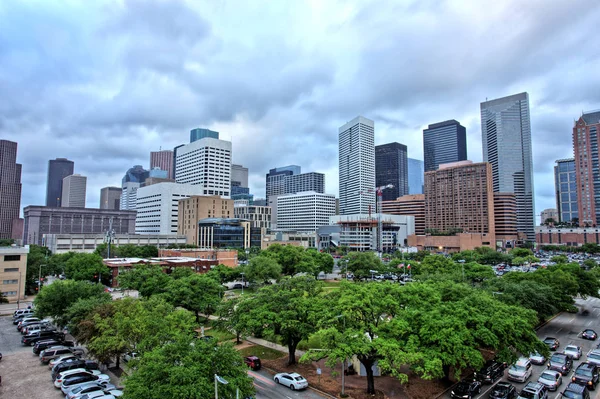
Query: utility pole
{"x":109,"y":237}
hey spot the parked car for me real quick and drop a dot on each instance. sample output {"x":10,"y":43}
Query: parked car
{"x":32,"y":339}
{"x":503,"y":390}
{"x":61,"y":359}
{"x":467,"y":388}
{"x":552,"y":343}
{"x":561,"y":363}
{"x":537,"y":359}
{"x":19,"y":314}
{"x":586,"y":374}
{"x":253,"y":362}
{"x":25,"y":321}
{"x":534,"y":390}
{"x":293,"y":381}
{"x":551,"y":379}
{"x":89,"y":365}
{"x":589,"y":334}
{"x":490,"y":372}
{"x":72,"y":374}
{"x":70,"y":383}
{"x":47,"y":343}
{"x":573,"y":350}
{"x":89,"y":387}
{"x":520,"y":371}
{"x":594,"y":357}
{"x":53,"y":353}
{"x":105,"y":394}
{"x":576,"y":391}
{"x":127,"y":357}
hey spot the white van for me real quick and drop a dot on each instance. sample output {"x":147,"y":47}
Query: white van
{"x":19,"y":313}
{"x":520,"y":371}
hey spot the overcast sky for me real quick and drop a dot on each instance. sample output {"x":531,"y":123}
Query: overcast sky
{"x":103,"y":83}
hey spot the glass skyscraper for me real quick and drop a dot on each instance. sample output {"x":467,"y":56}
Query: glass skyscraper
{"x":416,"y":172}
{"x":391,"y":167}
{"x":506,"y":139}
{"x":565,"y":185}
{"x":198,"y":133}
{"x":444,"y":142}
{"x":58,"y":169}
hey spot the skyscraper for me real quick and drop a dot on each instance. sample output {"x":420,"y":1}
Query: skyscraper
{"x":162,"y":160}
{"x":132,"y":180}
{"x":357,"y":166}
{"x":58,"y":169}
{"x":275,"y":179}
{"x":506,"y":139}
{"x":565,"y":186}
{"x":205,"y":162}
{"x":73,"y":191}
{"x":239,"y":176}
{"x":110,"y":198}
{"x":587,"y":161}
{"x":391,"y":167}
{"x":444,"y":142}
{"x":10,"y":187}
{"x":199,"y":134}
{"x":416,"y":171}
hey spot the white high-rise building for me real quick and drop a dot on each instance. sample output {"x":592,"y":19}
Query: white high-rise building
{"x":129,"y":195}
{"x":205,"y":163}
{"x":506,"y":140}
{"x":73,"y":191}
{"x":357,"y":167}
{"x":157,"y":206}
{"x":239,"y":175}
{"x":304,"y":211}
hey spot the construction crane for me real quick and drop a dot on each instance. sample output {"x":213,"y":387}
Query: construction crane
{"x":379,"y":192}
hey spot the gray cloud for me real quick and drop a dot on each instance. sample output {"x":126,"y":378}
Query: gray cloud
{"x":104,"y":83}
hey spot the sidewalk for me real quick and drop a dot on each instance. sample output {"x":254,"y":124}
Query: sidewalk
{"x":273,"y":345}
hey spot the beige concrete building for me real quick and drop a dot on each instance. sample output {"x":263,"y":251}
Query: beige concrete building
{"x":13,"y":269}
{"x":505,"y":219}
{"x":196,"y":208}
{"x":459,"y":196}
{"x":408,"y":205}
{"x":259,"y":216}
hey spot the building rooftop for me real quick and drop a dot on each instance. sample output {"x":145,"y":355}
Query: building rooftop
{"x":221,"y":221}
{"x":591,"y":117}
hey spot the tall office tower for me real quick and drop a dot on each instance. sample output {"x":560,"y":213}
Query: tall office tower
{"x":162,"y":160}
{"x":357,"y":166}
{"x":239,"y":176}
{"x":58,"y":169}
{"x":391,"y":167}
{"x":459,"y":197}
{"x":312,"y":181}
{"x":305,"y":211}
{"x":73,"y":191}
{"x":444,"y":142}
{"x":506,"y":131}
{"x":585,"y":143}
{"x":199,"y":134}
{"x":505,"y":219}
{"x":175,"y":160}
{"x":275,"y":179}
{"x":205,"y":162}
{"x":565,"y":186}
{"x":132,"y":180}
{"x":10,"y":188}
{"x":195,"y":208}
{"x":416,"y":172}
{"x":110,"y":198}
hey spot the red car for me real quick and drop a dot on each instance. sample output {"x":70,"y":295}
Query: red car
{"x":253,"y":362}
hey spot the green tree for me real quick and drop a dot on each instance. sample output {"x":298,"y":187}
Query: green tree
{"x":102,"y":250}
{"x":82,"y":266}
{"x":521,"y":252}
{"x":361,"y":264}
{"x":55,"y":299}
{"x":82,"y":309}
{"x":234,"y":317}
{"x":477,"y":273}
{"x":196,"y":293}
{"x":439,"y":264}
{"x":6,"y":242}
{"x":262,"y":269}
{"x":37,"y":259}
{"x":589,"y":264}
{"x":148,"y":280}
{"x":224,"y":274}
{"x":558,"y":259}
{"x":290,"y":310}
{"x":186,"y":370}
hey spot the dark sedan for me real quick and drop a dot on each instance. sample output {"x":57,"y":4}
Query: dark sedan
{"x":552,"y":343}
{"x":503,"y":390}
{"x":466,"y":389}
{"x":589,"y":334}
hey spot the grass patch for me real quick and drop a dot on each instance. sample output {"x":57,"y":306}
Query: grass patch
{"x":330,"y":284}
{"x":262,"y":352}
{"x":220,"y":335}
{"x":238,"y":291}
{"x":313,"y":342}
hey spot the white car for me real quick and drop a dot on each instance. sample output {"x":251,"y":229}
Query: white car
{"x":293,"y":381}
{"x":551,"y":379}
{"x":594,"y":357}
{"x":520,"y":371}
{"x":68,"y":373}
{"x":114,"y":393}
{"x":70,"y":383}
{"x":573,"y":350}
{"x":90,"y":387}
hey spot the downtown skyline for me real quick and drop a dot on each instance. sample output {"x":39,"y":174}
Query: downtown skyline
{"x":282,"y":106}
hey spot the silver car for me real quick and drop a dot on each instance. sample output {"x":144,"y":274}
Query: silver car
{"x":551,"y":379}
{"x":594,"y":357}
{"x":573,"y":350}
{"x":90,"y":387}
{"x":536,"y":358}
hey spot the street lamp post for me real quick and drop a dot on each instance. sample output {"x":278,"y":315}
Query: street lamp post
{"x":242,"y":283}
{"x":346,"y":268}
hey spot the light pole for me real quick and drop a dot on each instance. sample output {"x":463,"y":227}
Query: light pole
{"x":242,"y":283}
{"x":223,"y":381}
{"x":40,"y":278}
{"x":346,"y":260}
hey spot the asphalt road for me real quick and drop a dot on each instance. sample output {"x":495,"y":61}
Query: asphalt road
{"x":10,"y":338}
{"x":266,"y":388}
{"x":566,"y":328}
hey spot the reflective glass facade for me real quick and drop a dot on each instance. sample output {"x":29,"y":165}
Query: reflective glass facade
{"x":444,"y":142}
{"x":58,"y":169}
{"x":416,"y":171}
{"x":391,"y":167}
{"x":565,"y":184}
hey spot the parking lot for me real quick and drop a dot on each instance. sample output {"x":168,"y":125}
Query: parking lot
{"x":23,"y":376}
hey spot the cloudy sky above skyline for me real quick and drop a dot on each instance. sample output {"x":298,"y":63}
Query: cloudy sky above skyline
{"x":103,"y":83}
